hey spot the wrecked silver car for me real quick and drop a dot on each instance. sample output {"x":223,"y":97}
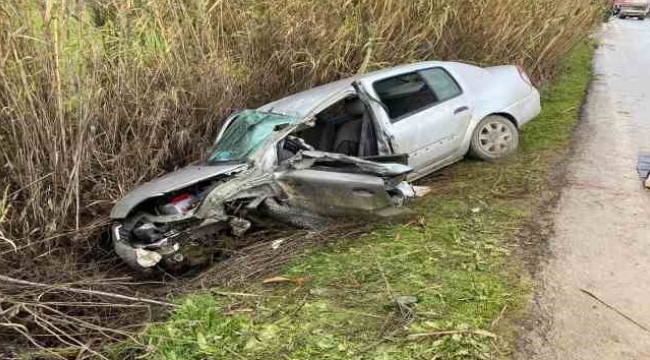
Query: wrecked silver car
{"x":345,"y":148}
{"x":258,"y":170}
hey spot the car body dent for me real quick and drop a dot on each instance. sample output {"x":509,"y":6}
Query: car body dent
{"x":311,"y":183}
{"x":307,"y":159}
{"x":334,"y":193}
{"x":308,"y":102}
{"x":177,"y":180}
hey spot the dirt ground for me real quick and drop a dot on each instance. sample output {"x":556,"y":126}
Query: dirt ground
{"x":593,"y":293}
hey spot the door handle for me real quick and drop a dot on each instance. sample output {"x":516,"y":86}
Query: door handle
{"x":460,"y":110}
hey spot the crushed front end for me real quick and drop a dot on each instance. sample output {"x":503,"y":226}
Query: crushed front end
{"x":258,"y":175}
{"x":156,"y":224}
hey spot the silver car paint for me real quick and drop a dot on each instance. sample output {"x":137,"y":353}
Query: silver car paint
{"x":486,"y":91}
{"x":335,"y":193}
{"x":433,"y":139}
{"x":306,"y":103}
{"x":496,"y":90}
{"x":178,"y":180}
{"x":307,"y":159}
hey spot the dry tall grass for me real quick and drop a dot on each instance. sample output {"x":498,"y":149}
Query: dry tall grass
{"x":98,"y":96}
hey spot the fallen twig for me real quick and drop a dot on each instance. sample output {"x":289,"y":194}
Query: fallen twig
{"x":84,"y":291}
{"x":615,"y":310}
{"x":478,"y":332}
{"x":223,"y":293}
{"x":383,"y":339}
{"x":498,"y":318}
{"x":404,"y":309}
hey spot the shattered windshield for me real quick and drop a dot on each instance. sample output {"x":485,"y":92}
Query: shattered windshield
{"x":245,"y":134}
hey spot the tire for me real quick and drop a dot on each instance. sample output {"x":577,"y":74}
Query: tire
{"x":494,"y":138}
{"x":622,"y":16}
{"x":641,"y":18}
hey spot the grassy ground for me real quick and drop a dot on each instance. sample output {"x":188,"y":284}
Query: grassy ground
{"x":445,"y":286}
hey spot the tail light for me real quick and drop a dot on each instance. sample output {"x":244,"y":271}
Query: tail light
{"x":524,"y":76}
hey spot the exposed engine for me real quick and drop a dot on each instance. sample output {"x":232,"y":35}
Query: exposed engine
{"x":160,"y":228}
{"x":151,"y":223}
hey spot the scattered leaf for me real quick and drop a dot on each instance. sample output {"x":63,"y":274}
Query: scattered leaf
{"x":276,"y":279}
{"x":240,"y":311}
{"x":201,"y":341}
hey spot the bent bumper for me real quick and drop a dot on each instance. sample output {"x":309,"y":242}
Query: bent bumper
{"x":144,"y":258}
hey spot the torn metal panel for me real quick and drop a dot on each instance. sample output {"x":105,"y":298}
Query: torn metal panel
{"x":308,"y":159}
{"x":180,"y":179}
{"x":382,"y":136}
{"x":239,"y":226}
{"x":333,"y":192}
{"x":295,"y":216}
{"x":247,"y":184}
{"x":405,"y":190}
{"x":307,"y":102}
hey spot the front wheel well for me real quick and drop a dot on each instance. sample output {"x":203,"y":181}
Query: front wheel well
{"x":509,"y":117}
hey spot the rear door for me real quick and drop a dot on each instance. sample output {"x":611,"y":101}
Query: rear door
{"x":330,"y":183}
{"x":334,"y":193}
{"x":425,"y":112}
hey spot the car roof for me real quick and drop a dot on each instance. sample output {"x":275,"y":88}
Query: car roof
{"x":308,"y":102}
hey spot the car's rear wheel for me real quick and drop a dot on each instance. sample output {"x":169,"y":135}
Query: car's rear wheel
{"x":495,"y":137}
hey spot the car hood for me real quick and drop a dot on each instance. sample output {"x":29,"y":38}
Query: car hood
{"x":178,"y":180}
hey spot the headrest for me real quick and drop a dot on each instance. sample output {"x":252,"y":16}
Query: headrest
{"x":354,"y":107}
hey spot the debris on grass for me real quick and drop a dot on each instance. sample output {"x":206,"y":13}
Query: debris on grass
{"x":276,"y":279}
{"x":478,"y":332}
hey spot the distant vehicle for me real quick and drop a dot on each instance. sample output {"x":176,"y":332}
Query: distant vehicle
{"x":636,"y":9}
{"x":338,"y":149}
{"x":616,"y":9}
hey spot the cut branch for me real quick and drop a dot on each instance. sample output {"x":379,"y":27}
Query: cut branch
{"x":85,"y":291}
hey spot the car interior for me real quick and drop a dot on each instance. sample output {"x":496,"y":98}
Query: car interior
{"x":346,"y":126}
{"x":343,"y":128}
{"x":404,"y":94}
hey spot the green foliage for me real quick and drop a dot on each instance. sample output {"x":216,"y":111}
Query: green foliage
{"x":201,"y":330}
{"x":456,"y":260}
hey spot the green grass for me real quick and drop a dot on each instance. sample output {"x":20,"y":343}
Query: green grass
{"x":457,"y":260}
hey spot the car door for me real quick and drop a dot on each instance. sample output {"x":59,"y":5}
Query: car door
{"x":336,"y":184}
{"x":425,"y":112}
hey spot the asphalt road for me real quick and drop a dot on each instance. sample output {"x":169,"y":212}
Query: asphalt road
{"x":601,"y":246}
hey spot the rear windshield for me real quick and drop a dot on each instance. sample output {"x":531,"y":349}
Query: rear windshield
{"x":245,"y":134}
